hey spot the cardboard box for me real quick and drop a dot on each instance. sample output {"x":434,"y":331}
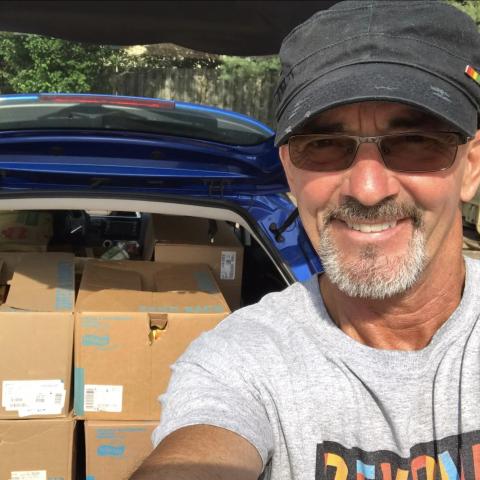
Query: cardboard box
{"x":25,"y":231}
{"x":185,"y":240}
{"x":37,"y":449}
{"x":36,"y":335}
{"x":133,"y":320}
{"x":114,"y":450}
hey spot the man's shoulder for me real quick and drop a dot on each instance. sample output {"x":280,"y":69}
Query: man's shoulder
{"x":259,"y":332}
{"x":275,"y":313}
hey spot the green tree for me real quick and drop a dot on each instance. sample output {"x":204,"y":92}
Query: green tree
{"x":31,"y":63}
{"x":248,"y":67}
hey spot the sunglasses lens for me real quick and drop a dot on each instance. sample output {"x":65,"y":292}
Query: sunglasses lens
{"x":419,"y":152}
{"x":322,"y":153}
{"x":404,"y":152}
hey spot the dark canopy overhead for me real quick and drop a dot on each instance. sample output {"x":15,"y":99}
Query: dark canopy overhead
{"x":235,"y":27}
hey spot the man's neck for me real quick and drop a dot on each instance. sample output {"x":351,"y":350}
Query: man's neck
{"x":404,"y":322}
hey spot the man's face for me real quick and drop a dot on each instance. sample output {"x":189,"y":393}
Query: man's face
{"x":376,"y":230}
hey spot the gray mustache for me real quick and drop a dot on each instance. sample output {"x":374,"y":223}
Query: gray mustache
{"x":387,"y":210}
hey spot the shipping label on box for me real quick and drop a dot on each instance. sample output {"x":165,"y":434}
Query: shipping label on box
{"x":227,"y":265}
{"x":103,"y":398}
{"x":29,"y":475}
{"x":33,"y":397}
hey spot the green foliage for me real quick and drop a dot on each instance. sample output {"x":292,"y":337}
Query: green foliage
{"x":248,"y":67}
{"x":148,"y":61}
{"x":31,"y":63}
{"x":470,"y":7}
{"x":127,"y":63}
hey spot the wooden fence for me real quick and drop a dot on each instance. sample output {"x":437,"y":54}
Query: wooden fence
{"x":245,"y":94}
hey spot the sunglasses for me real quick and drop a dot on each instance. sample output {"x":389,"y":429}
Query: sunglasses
{"x":413,"y":152}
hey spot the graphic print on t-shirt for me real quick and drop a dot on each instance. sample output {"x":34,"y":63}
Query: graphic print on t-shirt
{"x":453,"y":458}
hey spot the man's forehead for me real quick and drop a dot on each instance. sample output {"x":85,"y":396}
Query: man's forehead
{"x":387,"y":115}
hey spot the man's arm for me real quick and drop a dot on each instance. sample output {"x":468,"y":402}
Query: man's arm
{"x":201,"y":452}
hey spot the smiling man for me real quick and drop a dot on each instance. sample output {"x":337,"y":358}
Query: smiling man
{"x":379,"y":198}
{"x":370,"y":370}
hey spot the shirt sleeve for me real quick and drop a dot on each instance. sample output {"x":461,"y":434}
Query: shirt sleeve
{"x":213,"y":384}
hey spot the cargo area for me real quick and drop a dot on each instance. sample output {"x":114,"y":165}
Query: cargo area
{"x":232,"y":250}
{"x":95,"y":305}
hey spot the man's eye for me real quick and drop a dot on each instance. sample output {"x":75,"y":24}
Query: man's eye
{"x":320,"y":143}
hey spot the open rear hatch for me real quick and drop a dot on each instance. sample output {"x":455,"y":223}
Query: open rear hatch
{"x":230,"y":28}
{"x":121,"y":143}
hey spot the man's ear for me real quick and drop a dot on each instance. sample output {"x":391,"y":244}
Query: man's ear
{"x":287,"y":166}
{"x":471,"y":175}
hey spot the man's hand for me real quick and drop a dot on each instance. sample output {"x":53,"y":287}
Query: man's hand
{"x":202,"y":452}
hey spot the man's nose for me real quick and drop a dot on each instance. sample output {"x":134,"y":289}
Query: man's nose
{"x":368,"y":180}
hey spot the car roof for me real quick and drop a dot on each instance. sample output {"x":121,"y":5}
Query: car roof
{"x":236,"y":27}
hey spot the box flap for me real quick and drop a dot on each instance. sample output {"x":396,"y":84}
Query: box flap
{"x":43,"y":282}
{"x":170,"y":229}
{"x":190,"y":278}
{"x":11,"y":260}
{"x":103,"y":276}
{"x":149,"y":287}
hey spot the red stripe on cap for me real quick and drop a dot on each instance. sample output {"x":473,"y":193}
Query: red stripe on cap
{"x":471,"y":72}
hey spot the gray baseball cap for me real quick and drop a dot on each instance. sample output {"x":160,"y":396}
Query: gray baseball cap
{"x":413,"y":52}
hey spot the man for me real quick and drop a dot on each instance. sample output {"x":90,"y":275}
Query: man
{"x":372,"y":369}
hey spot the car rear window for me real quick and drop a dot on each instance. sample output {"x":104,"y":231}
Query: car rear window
{"x":150,"y":116}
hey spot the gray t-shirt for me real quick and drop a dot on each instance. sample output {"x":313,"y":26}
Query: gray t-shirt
{"x":319,"y":405}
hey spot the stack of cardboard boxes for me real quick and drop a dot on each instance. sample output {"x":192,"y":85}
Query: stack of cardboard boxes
{"x":132,"y":320}
{"x":37,"y":430}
